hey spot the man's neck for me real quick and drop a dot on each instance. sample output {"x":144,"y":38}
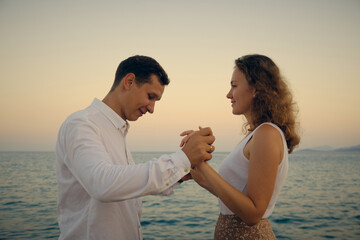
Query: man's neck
{"x":110,"y":101}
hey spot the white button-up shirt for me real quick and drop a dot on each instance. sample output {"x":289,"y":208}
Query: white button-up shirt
{"x":99,"y":186}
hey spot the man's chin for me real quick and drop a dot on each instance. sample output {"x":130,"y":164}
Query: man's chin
{"x":132,"y":119}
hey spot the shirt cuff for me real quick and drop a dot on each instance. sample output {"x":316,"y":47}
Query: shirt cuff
{"x":181,"y":162}
{"x":182,"y":167}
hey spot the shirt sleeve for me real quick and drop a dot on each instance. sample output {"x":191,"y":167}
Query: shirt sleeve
{"x":89,"y":162}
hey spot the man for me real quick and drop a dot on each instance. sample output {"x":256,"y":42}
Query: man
{"x":99,"y":186}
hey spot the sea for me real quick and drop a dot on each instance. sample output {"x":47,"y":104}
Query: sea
{"x":320,"y":199}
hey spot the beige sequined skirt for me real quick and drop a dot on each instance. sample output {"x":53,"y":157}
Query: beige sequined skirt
{"x":231,"y":227}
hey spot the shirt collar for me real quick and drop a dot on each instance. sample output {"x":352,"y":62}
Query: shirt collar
{"x":119,"y":123}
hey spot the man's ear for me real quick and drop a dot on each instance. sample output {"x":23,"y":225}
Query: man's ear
{"x":129,"y":81}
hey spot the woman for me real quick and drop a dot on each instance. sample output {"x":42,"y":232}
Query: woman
{"x":250,"y":178}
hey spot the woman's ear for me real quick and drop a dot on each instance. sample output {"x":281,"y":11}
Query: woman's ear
{"x":253,"y":90}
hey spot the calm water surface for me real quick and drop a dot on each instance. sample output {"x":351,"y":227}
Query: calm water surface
{"x":320,"y":200}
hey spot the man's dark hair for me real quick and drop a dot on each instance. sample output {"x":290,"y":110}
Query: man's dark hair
{"x":143,"y":67}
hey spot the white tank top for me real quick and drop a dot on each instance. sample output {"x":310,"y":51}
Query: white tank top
{"x":234,"y":169}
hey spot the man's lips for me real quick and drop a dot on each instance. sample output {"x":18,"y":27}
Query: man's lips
{"x":142,"y":112}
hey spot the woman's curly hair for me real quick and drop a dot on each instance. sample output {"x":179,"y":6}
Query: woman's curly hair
{"x":273,"y":101}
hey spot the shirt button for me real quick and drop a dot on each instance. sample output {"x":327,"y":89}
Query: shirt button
{"x":118,"y":129}
{"x":186,"y":170}
{"x":167,"y":184}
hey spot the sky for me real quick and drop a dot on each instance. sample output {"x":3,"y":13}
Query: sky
{"x":57,"y":56}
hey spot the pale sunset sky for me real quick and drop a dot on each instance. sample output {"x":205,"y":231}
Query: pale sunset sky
{"x":57,"y":56}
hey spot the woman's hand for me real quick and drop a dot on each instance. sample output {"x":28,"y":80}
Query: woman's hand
{"x":187,"y":135}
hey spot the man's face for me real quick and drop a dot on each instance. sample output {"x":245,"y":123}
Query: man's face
{"x":142,"y":98}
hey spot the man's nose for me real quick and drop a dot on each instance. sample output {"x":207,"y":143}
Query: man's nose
{"x":151,"y":107}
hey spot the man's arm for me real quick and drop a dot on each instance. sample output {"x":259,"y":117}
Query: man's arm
{"x":89,"y":162}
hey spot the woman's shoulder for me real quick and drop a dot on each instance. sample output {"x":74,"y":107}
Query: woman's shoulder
{"x":268,"y":140}
{"x":267,"y":131}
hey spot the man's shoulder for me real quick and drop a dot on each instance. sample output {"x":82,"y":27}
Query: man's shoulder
{"x":78,"y":115}
{"x":83,"y":114}
{"x":83,"y":119}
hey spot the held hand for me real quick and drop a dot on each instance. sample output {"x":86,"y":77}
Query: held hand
{"x":187,"y":135}
{"x":198,"y":147}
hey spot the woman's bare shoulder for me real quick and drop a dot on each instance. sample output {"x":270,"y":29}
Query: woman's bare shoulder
{"x":267,"y":130}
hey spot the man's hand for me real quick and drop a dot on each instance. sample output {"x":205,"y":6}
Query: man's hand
{"x":198,"y":146}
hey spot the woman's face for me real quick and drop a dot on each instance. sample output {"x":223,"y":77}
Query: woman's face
{"x":240,"y":94}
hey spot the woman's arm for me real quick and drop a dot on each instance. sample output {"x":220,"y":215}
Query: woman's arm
{"x":200,"y":179}
{"x":265,"y":150}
